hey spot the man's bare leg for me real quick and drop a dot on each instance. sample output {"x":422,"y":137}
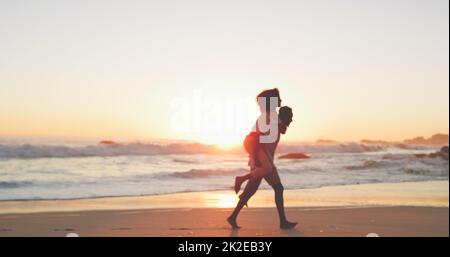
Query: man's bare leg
{"x":279,"y":201}
{"x":249,"y":190}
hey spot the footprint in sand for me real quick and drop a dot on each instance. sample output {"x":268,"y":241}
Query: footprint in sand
{"x":121,"y":229}
{"x":64,"y":229}
{"x":179,"y":228}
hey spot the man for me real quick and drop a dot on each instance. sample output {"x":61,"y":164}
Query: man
{"x":265,"y":157}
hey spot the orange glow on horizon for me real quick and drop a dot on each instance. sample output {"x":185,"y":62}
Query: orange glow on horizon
{"x":221,"y":200}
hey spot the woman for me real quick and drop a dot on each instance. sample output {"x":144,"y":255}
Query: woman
{"x":251,"y":145}
{"x":266,"y":150}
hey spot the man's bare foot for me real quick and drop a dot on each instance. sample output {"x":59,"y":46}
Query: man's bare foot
{"x":238,"y":183}
{"x":288,"y":225}
{"x":233,"y":223}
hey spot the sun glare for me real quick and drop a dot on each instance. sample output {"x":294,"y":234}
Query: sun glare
{"x":223,"y":141}
{"x":206,"y":116}
{"x":221,"y":200}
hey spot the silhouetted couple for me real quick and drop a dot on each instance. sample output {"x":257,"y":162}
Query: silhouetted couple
{"x":261,"y":144}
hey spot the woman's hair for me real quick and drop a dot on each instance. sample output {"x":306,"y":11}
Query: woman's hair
{"x":268,"y":93}
{"x":285,"y":114}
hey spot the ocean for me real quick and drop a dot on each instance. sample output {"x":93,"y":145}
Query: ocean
{"x":73,"y":170}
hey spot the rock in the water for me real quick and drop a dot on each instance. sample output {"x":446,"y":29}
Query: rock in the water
{"x":294,"y":156}
{"x":443,"y":153}
{"x":107,"y":142}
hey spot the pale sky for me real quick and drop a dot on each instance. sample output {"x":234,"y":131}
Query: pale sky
{"x":112,"y":69}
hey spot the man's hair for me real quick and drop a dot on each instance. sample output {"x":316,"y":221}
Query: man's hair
{"x":285,"y":114}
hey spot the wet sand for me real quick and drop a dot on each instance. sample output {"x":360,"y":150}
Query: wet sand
{"x":332,"y":221}
{"x":398,"y":209}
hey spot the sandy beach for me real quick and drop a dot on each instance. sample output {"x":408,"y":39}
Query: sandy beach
{"x":398,"y":209}
{"x":315,"y":221}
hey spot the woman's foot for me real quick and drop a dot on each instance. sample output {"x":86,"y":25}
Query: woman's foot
{"x":238,"y":183}
{"x":288,"y":225}
{"x":233,"y":223}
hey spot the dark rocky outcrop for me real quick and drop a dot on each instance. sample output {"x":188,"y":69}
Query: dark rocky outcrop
{"x":294,"y":156}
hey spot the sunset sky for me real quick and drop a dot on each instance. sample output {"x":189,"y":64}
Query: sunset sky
{"x":126,"y":69}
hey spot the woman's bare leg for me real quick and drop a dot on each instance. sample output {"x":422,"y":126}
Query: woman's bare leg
{"x":239,"y":180}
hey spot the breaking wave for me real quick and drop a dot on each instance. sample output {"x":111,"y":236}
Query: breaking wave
{"x":14,"y":184}
{"x":46,"y":151}
{"x":113,"y":149}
